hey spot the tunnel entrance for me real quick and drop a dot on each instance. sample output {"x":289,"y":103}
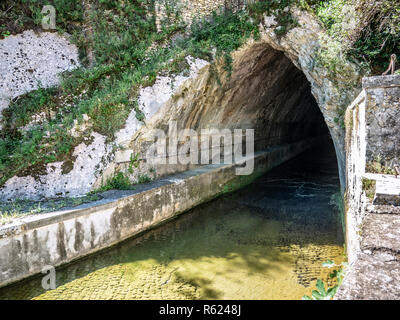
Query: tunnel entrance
{"x":265,"y":92}
{"x":269,"y":94}
{"x":287,"y":110}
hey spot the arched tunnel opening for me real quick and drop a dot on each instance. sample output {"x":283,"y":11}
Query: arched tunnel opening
{"x":265,"y":92}
{"x":270,"y":94}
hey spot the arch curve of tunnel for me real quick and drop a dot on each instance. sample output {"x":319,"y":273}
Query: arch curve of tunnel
{"x":265,"y":92}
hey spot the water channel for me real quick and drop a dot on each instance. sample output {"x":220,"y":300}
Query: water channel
{"x":266,"y":241}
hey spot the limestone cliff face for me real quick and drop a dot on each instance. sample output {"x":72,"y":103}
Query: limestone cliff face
{"x":276,"y":88}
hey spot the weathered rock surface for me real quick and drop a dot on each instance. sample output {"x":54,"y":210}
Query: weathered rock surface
{"x":381,"y":236}
{"x":375,"y":274}
{"x":382,"y":114}
{"x":371,"y":279}
{"x":56,"y":182}
{"x":387,"y":191}
{"x":30,"y":59}
{"x":92,"y":156}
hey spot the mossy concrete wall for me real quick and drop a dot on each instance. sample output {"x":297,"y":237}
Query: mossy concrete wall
{"x":26,"y":246}
{"x":372,"y":128}
{"x":382,"y":114}
{"x":373,"y":243}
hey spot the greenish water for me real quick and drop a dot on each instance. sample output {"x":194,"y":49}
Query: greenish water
{"x":267,"y":241}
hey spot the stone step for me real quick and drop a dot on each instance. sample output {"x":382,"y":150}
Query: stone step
{"x":382,"y":209}
{"x":375,"y":275}
{"x":371,"y":279}
{"x":387,"y":191}
{"x":381,"y":236}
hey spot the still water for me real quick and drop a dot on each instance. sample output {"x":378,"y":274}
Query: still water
{"x":266,"y":241}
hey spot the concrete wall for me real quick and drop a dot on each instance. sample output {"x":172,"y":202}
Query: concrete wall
{"x":26,"y":246}
{"x":355,"y":169}
{"x":382,"y":114}
{"x":372,"y":129}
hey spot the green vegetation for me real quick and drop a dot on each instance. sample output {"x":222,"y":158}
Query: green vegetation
{"x":20,"y":15}
{"x":224,"y":32}
{"x":327,"y":293}
{"x":369,"y":186}
{"x":365,"y":32}
{"x":279,"y":9}
{"x":106,"y":92}
{"x":128,"y":53}
{"x":134,"y":162}
{"x":119,"y":181}
{"x":378,"y":166}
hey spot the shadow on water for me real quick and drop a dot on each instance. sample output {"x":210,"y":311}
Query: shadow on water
{"x":266,"y":241}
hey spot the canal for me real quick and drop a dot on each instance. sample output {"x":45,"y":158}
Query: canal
{"x":266,"y":241}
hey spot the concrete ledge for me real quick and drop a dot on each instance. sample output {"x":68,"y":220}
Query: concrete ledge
{"x":31,"y":243}
{"x":381,"y":81}
{"x":371,"y":279}
{"x":381,"y":234}
{"x":387,"y":190}
{"x":375,"y":275}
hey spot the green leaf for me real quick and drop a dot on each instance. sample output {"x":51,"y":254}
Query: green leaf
{"x":328,"y":264}
{"x":321,"y":287}
{"x":334,"y":274}
{"x":317,"y":296}
{"x":306,"y":298}
{"x":332,"y":291}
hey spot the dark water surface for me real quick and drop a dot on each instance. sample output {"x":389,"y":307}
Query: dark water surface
{"x":266,"y":241}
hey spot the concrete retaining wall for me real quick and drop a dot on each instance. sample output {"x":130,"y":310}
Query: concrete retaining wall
{"x":355,"y":169}
{"x":382,"y":125}
{"x":372,"y":128}
{"x":57,"y":238}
